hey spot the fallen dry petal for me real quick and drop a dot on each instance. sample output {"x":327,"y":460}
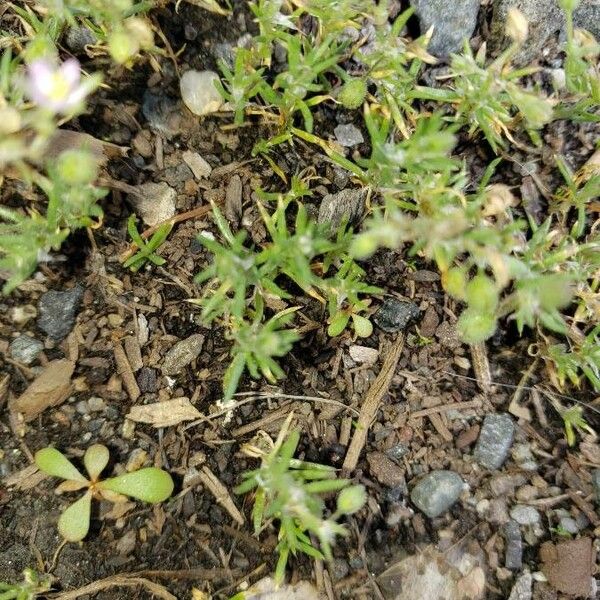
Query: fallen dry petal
{"x":165,"y":414}
{"x":568,"y":565}
{"x":52,"y":387}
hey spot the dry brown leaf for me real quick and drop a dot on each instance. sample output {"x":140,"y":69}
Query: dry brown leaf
{"x":165,"y":414}
{"x":25,"y":479}
{"x":51,"y":387}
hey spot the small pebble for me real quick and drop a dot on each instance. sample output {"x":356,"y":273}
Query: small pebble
{"x":495,"y":440}
{"x":96,"y":404}
{"x":398,"y":451}
{"x":437,"y":492}
{"x":199,"y":93}
{"x":25,"y":349}
{"x":154,"y":202}
{"x":514,"y":546}
{"x":345,"y":206}
{"x":348,"y":135}
{"x":525,"y":515}
{"x":57,"y":312}
{"x":395,"y":315}
{"x":363,"y":354}
{"x":147,"y":380}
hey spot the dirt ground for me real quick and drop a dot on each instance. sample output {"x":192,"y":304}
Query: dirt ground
{"x":430,"y":416}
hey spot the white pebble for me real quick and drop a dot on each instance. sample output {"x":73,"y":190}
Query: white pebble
{"x":199,"y":93}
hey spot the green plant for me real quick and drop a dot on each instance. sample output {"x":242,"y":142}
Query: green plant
{"x":574,"y":420}
{"x":146,"y":250}
{"x":32,"y":585}
{"x":149,"y":484}
{"x":288,"y":491}
{"x":242,"y":280}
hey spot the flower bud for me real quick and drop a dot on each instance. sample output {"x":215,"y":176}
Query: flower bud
{"x":516,"y":25}
{"x":353,"y":92}
{"x":351,"y":499}
{"x":76,"y":167}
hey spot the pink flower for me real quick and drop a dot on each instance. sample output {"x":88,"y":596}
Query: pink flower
{"x":56,"y":87}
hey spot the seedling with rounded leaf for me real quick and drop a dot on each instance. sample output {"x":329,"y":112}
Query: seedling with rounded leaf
{"x":32,"y":585}
{"x":149,"y":484}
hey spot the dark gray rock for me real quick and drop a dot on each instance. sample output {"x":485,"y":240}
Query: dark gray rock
{"x":544,"y":17}
{"x":182,"y":354}
{"x":495,"y":440}
{"x":395,"y":315}
{"x":147,"y":380}
{"x":347,"y":205}
{"x":453,"y":21}
{"x":437,"y":492}
{"x":162,"y":112}
{"x":57,"y":312}
{"x":398,"y":451}
{"x":78,"y":38}
{"x":25,"y":349}
{"x":514,"y":546}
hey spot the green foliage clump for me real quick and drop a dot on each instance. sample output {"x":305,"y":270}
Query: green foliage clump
{"x":288,"y":490}
{"x":242,"y":280}
{"x":149,"y":485}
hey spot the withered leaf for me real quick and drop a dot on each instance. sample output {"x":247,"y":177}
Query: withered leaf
{"x":165,"y":414}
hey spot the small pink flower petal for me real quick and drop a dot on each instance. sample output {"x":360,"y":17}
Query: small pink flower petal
{"x":71,"y":71}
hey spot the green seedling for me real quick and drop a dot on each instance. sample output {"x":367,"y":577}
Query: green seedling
{"x":149,"y":485}
{"x":32,"y":585}
{"x":575,"y":422}
{"x":289,"y":491}
{"x":146,"y":250}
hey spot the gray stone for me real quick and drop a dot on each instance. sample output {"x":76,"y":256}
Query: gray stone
{"x":153,"y":202}
{"x":385,"y":470}
{"x":339,"y":568}
{"x":78,"y":38}
{"x":347,"y":205}
{"x":199,"y":93}
{"x":596,"y":483}
{"x":514,"y":546}
{"x":57,"y":312}
{"x":147,"y":380}
{"x":495,"y":440}
{"x":162,"y":112}
{"x":522,"y":590}
{"x":348,"y":135}
{"x":182,"y":354}
{"x":395,"y":315}
{"x":587,"y":16}
{"x":544,"y":17}
{"x":453,"y":21}
{"x":569,"y":524}
{"x":398,"y":451}
{"x":525,"y":515}
{"x":25,"y":349}
{"x":96,"y":404}
{"x":437,"y":492}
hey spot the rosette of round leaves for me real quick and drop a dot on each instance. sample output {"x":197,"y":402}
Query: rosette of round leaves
{"x":149,"y":484}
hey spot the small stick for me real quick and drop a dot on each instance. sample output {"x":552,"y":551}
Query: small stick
{"x":124,"y":370}
{"x":219,"y":491}
{"x":426,"y":412}
{"x":133,"y":352}
{"x":371,"y":405}
{"x":481,"y":366}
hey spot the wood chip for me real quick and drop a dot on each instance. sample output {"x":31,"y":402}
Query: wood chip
{"x":370,"y":406}
{"x":155,"y":589}
{"x":25,"y":479}
{"x":52,"y":387}
{"x":440,"y":426}
{"x":165,"y":414}
{"x":4,"y":383}
{"x":219,"y":491}
{"x":125,"y":372}
{"x":133,"y":352}
{"x":233,"y":200}
{"x":481,"y":366}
